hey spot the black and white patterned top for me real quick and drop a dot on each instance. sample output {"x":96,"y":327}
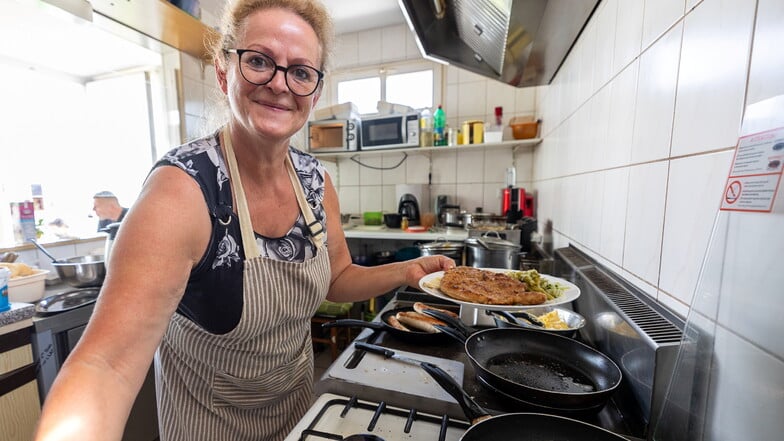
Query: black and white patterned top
{"x":213,"y":296}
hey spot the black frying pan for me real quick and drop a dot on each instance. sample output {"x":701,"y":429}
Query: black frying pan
{"x":507,"y":427}
{"x":413,"y":335}
{"x":540,"y":367}
{"x":516,"y":426}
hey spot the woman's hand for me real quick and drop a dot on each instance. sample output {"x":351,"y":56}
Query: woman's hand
{"x":422,"y":266}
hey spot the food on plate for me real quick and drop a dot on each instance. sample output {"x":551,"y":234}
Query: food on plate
{"x":433,"y":283}
{"x":475,"y":285}
{"x":416,"y":320}
{"x":421,"y":308}
{"x":552,"y":320}
{"x":536,"y":282}
{"x":395,"y":323}
{"x":18,"y":269}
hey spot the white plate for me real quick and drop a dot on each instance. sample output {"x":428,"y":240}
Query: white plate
{"x":570,"y":294}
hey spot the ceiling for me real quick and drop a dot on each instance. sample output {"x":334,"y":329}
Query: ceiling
{"x":347,"y":15}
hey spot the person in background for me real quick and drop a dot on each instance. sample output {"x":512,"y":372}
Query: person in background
{"x":231,"y":247}
{"x":108,"y":209}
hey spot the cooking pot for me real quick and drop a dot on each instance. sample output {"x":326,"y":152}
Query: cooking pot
{"x":81,"y":271}
{"x":450,"y":216}
{"x":490,"y":251}
{"x":441,"y":246}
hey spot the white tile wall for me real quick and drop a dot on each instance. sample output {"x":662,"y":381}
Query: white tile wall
{"x":682,"y":72}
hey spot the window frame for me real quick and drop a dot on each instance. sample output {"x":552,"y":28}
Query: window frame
{"x":383,"y":71}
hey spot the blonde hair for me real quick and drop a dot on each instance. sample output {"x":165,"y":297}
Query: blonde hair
{"x":235,"y":13}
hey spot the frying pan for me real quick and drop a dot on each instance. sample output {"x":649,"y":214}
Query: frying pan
{"x":516,"y":426}
{"x":411,"y":336}
{"x":540,"y":367}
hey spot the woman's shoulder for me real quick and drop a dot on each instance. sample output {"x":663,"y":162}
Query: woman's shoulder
{"x":204,"y":148}
{"x":305,"y":163}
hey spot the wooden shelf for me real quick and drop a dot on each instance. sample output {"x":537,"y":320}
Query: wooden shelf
{"x":513,"y":144}
{"x":160,"y":20}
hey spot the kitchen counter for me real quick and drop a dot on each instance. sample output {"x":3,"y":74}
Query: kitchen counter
{"x":382,"y":232}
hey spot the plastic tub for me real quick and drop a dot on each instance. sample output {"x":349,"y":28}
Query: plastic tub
{"x":522,"y":128}
{"x":28,"y":289}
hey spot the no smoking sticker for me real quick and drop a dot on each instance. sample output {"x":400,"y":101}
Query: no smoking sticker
{"x":756,"y":172}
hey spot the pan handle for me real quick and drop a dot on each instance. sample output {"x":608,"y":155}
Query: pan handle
{"x":451,"y":321}
{"x":352,"y":322}
{"x":452,"y":332}
{"x":471,"y":409}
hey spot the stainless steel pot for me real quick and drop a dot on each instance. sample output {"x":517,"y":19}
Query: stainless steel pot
{"x":81,"y":271}
{"x":490,"y":251}
{"x":453,"y":250}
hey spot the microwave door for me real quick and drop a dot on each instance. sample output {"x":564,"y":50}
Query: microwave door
{"x":328,"y":137}
{"x":383,"y":132}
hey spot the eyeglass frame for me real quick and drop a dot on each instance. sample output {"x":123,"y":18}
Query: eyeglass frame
{"x":275,"y":68}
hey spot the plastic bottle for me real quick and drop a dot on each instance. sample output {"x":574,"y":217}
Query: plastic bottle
{"x":5,"y":275}
{"x":439,"y":126}
{"x":425,"y":129}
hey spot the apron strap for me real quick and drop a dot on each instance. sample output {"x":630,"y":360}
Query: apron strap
{"x":246,"y":225}
{"x":314,"y":226}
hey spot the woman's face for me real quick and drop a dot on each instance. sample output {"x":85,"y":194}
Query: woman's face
{"x":271,"y":111}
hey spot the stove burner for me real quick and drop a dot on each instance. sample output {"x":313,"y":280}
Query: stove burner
{"x":341,"y":418}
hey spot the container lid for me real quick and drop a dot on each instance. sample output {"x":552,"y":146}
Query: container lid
{"x":492,"y":242}
{"x":441,"y":244}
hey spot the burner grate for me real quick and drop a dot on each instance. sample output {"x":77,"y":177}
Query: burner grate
{"x":366,"y":416}
{"x":651,"y":322}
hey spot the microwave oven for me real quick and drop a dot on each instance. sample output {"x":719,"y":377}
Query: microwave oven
{"x":389,"y":131}
{"x":333,"y":135}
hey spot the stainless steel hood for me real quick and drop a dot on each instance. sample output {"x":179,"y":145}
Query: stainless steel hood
{"x":519,"y":42}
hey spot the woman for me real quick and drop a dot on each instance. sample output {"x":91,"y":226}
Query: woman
{"x":221,"y":262}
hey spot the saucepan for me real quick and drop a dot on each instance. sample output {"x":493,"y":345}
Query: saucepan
{"x":80,"y":271}
{"x":540,"y":367}
{"x":510,"y":426}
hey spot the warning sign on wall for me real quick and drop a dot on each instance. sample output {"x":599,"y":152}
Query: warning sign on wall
{"x":756,"y":172}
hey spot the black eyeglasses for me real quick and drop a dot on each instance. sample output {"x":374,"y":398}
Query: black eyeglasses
{"x":259,"y":69}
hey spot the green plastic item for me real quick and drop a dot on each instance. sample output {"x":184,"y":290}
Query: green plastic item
{"x":334,"y":308}
{"x":439,"y":126}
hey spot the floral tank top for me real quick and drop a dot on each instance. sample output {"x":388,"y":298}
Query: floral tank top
{"x":213,"y":296}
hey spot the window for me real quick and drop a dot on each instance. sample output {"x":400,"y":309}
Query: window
{"x":410,"y":84}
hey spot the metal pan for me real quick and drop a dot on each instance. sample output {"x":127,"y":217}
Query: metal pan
{"x":383,"y":324}
{"x":516,"y":426}
{"x":541,"y":368}
{"x":66,"y":301}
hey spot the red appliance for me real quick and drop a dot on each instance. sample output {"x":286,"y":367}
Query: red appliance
{"x":513,"y":201}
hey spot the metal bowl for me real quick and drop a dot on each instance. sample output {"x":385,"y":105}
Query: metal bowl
{"x":81,"y":271}
{"x":572,"y":319}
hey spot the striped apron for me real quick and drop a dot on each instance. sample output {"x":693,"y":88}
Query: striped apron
{"x":256,"y":381}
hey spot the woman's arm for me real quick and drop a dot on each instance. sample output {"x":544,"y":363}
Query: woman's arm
{"x":161,"y":239}
{"x":355,"y":283}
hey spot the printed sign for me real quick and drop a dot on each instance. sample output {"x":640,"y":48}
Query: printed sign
{"x":756,"y":172}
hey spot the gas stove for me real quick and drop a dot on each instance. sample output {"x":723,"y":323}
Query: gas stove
{"x":358,"y":384}
{"x":335,"y":417}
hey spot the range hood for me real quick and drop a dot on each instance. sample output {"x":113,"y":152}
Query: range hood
{"x":519,"y":42}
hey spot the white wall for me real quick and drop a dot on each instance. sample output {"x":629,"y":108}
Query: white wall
{"x":470,"y":178}
{"x":639,"y":130}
